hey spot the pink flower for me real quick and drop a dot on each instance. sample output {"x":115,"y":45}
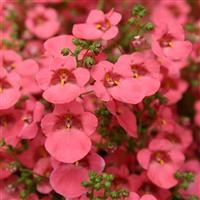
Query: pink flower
{"x":124,"y":116}
{"x":9,"y":58}
{"x":129,"y":80}
{"x":66,"y":180}
{"x":10,"y":125}
{"x":54,"y":45}
{"x":68,"y":129}
{"x":173,"y":88}
{"x":62,"y":76}
{"x":135,"y":196}
{"x":43,"y":168}
{"x":98,"y":26}
{"x":6,"y":168}
{"x":111,"y":83}
{"x":27,"y":70}
{"x":42,"y":22}
{"x":32,"y":115}
{"x":9,"y":89}
{"x":161,"y":162}
{"x":180,"y":137}
{"x":168,"y":42}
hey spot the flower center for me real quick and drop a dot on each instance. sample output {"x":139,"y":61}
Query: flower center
{"x":111,"y":79}
{"x":173,"y":138}
{"x":9,"y":65}
{"x":166,"y":40}
{"x":28,"y":118}
{"x":161,"y":157}
{"x":62,"y":76}
{"x":138,"y":71}
{"x":4,"y":85}
{"x":103,"y":26}
{"x":39,"y":20}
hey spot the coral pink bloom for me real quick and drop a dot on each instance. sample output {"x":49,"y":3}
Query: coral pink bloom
{"x":9,"y":89}
{"x":180,"y":137}
{"x":5,"y":168}
{"x":54,"y":45}
{"x":42,"y":22}
{"x":62,"y":82}
{"x":9,"y":58}
{"x":43,"y":168}
{"x":27,"y":70}
{"x":173,"y":88}
{"x":10,"y":125}
{"x":168,"y":42}
{"x":92,"y":162}
{"x":66,"y":180}
{"x":124,"y":116}
{"x":35,"y":151}
{"x":111,"y":83}
{"x":98,"y":26}
{"x":32,"y":115}
{"x":141,"y":69}
{"x":170,"y":10}
{"x":161,"y":162}
{"x":135,"y":196}
{"x":165,"y":120}
{"x":68,"y":129}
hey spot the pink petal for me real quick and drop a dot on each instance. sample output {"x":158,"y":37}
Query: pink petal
{"x":110,"y":33}
{"x":28,"y":131}
{"x":127,"y":120}
{"x":133,"y":196}
{"x":86,"y":31}
{"x":114,"y":17}
{"x":151,"y":85}
{"x":179,"y":50}
{"x":162,"y":175}
{"x":48,"y":123}
{"x":54,"y":45}
{"x":43,"y":78}
{"x":128,"y":91}
{"x":8,"y":98}
{"x":101,"y":91}
{"x":148,"y":197}
{"x":74,"y":143}
{"x":27,"y":67}
{"x":160,"y":145}
{"x":82,"y":75}
{"x":60,"y":94}
{"x":95,"y":16}
{"x":66,"y":180}
{"x":143,"y":157}
{"x":89,"y":122}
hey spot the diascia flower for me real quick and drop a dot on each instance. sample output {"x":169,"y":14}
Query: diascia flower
{"x":66,"y":180}
{"x":168,"y":41}
{"x":135,"y":196}
{"x":42,"y":22}
{"x":161,"y":162}
{"x":62,"y":82}
{"x":53,"y":46}
{"x":9,"y":89}
{"x":98,"y":26}
{"x":124,"y":116}
{"x":67,"y":130}
{"x":110,"y":83}
{"x":129,"y":80}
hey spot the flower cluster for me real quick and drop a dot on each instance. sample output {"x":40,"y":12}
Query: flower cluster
{"x":100,"y":100}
